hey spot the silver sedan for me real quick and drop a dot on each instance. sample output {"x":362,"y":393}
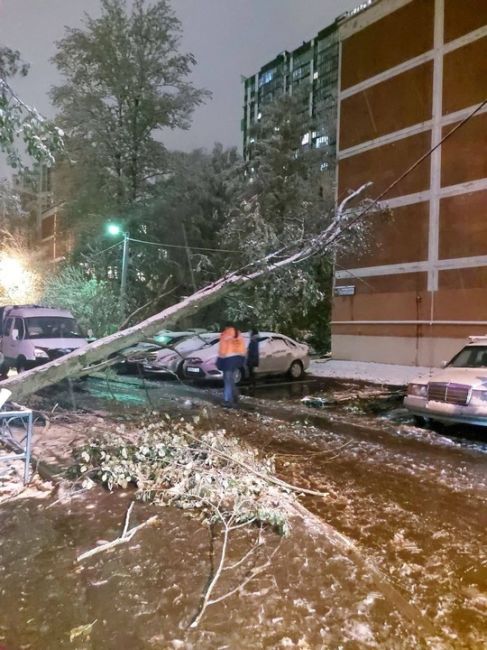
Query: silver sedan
{"x":278,"y":355}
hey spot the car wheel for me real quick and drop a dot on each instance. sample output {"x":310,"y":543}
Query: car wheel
{"x":296,"y":370}
{"x":419,"y":421}
{"x":237,"y":375}
{"x":21,"y":364}
{"x":180,"y":370}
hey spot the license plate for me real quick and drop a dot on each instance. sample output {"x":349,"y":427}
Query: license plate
{"x":196,"y":370}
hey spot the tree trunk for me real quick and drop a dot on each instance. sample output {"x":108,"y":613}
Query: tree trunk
{"x":74,"y":363}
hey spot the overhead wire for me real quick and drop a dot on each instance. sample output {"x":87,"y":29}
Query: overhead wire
{"x":195,"y":248}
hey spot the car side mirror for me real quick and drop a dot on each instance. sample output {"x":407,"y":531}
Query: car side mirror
{"x":443,"y":364}
{"x":15,"y":334}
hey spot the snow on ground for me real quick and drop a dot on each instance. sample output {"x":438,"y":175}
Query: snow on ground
{"x":377,"y":373}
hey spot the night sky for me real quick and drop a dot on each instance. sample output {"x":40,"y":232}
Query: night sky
{"x":228,"y":37}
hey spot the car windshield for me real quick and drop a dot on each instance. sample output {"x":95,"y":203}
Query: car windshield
{"x":52,"y":327}
{"x":474,"y":356}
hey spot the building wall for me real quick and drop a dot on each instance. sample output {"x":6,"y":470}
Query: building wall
{"x":410,"y":72}
{"x":312,"y":66}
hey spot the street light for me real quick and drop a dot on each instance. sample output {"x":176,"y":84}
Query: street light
{"x":114,"y":230}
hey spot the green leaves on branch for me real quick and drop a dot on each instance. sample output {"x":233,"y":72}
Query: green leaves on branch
{"x":125,"y":81}
{"x":22,"y":127}
{"x":179,"y":463}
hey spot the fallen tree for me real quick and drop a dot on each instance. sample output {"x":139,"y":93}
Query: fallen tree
{"x":76,"y":363}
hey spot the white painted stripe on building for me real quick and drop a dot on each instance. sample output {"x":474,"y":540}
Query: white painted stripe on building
{"x":408,"y":131}
{"x":464,"y":188}
{"x":435,"y":158}
{"x":386,"y":269}
{"x":466,"y":39}
{"x":388,"y":138}
{"x":460,"y":115}
{"x":462,"y":262}
{"x":406,"y":199}
{"x":412,"y":267}
{"x":387,"y":74}
{"x":413,"y":63}
{"x":444,"y":192}
{"x":408,"y":322}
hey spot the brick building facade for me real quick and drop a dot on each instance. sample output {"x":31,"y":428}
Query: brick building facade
{"x":410,"y":70}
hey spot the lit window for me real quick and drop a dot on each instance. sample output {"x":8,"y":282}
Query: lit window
{"x":315,"y":75}
{"x":266,"y":77}
{"x":324,"y":166}
{"x":305,"y":139}
{"x":259,"y":115}
{"x":322,"y":141}
{"x":313,"y":135}
{"x":252,"y":140}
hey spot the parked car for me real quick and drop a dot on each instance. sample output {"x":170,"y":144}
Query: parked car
{"x":458,"y":392}
{"x":137,"y":354}
{"x":278,"y":355}
{"x":32,"y":335}
{"x":169,"y":360}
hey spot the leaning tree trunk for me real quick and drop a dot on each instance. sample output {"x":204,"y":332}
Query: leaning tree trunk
{"x":73,"y":364}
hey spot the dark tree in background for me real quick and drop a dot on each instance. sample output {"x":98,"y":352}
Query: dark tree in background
{"x":284,"y":197}
{"x":125,"y":81}
{"x":188,"y":207}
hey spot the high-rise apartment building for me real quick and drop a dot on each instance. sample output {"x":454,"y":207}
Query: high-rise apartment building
{"x":410,"y":72}
{"x":313,"y":68}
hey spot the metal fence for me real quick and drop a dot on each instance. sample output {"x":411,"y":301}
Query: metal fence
{"x":16,"y":436}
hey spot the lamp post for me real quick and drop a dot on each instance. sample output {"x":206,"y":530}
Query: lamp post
{"x":114,"y":229}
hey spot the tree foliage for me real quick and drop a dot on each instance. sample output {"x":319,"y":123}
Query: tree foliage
{"x":190,"y":201}
{"x":22,"y":126}
{"x":13,"y":218}
{"x":124,"y":82}
{"x":93,"y":302}
{"x":283,"y":197}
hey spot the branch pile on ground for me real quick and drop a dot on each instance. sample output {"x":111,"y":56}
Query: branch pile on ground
{"x":171,"y":463}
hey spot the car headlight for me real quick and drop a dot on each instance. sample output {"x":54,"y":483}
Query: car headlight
{"x":418,"y":390}
{"x":39,"y":353}
{"x":480,"y":395}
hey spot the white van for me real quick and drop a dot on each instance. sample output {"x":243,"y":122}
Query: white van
{"x":32,"y":335}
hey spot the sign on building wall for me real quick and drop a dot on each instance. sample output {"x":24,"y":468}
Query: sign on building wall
{"x":347,"y":290}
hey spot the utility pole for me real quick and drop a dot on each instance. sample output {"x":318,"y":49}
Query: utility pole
{"x":123,"y":280}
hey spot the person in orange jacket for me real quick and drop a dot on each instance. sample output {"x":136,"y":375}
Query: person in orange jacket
{"x":231,"y":356}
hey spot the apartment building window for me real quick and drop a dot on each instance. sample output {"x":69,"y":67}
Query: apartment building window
{"x":266,"y":77}
{"x":322,"y":141}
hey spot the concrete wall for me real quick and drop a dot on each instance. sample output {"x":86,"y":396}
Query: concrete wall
{"x":407,"y":351}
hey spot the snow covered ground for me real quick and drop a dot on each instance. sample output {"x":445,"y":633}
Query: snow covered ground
{"x":377,"y":373}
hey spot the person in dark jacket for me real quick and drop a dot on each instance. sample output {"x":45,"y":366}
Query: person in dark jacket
{"x":253,"y":356}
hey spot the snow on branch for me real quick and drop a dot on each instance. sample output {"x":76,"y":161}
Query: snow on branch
{"x":77,"y":362}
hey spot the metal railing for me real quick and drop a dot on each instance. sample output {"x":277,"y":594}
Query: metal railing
{"x":16,"y":435}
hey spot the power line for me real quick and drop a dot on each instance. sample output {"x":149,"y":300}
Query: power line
{"x":195,"y":248}
{"x":104,"y":250}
